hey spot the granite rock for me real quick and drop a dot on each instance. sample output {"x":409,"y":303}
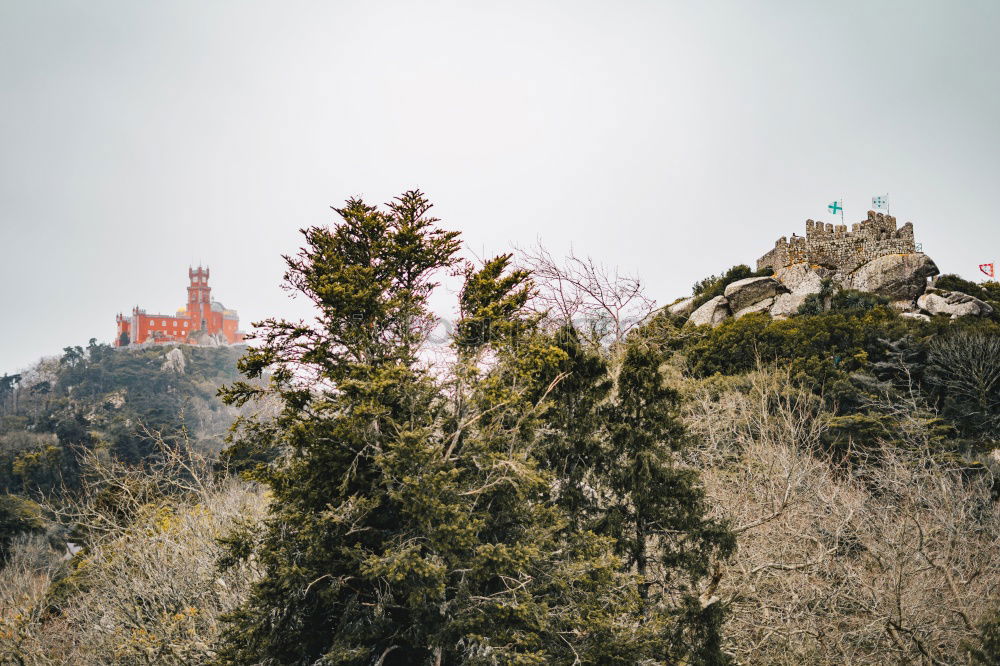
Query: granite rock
{"x":786,"y":305}
{"x":759,"y":306}
{"x":953,"y":303}
{"x":711,"y":313}
{"x":744,"y":293}
{"x":898,"y":277}
{"x":800,"y":278}
{"x":682,"y":308}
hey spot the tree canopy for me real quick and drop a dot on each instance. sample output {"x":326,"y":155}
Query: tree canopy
{"x":466,"y":515}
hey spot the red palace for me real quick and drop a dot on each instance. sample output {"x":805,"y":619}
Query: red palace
{"x":202,"y":321}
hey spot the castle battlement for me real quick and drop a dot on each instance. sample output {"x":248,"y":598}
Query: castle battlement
{"x":833,"y":245}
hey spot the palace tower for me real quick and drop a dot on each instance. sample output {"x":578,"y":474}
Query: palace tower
{"x":201,"y":321}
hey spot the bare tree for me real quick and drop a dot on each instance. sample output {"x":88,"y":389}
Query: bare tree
{"x":896,"y":560}
{"x":24,"y":582}
{"x":146,"y":589}
{"x":602,"y":303}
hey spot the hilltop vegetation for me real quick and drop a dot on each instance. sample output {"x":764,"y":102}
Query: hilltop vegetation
{"x":574,"y":480}
{"x":98,"y":398}
{"x":101,"y":403}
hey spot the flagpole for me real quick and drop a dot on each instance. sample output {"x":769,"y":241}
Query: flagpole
{"x":888,"y":209}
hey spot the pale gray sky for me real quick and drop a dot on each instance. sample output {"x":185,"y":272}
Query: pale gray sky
{"x":672,"y":139}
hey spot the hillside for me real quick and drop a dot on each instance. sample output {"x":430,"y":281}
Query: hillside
{"x":584,"y":478}
{"x":101,"y":399}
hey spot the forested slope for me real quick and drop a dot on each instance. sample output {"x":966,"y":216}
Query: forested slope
{"x":98,"y":398}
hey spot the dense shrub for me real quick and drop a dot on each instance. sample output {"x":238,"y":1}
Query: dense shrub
{"x":817,"y":348}
{"x":893,"y":562}
{"x":99,"y":398}
{"x":146,"y":589}
{"x":952,"y":282}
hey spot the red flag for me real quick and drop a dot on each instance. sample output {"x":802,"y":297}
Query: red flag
{"x":987,"y":269}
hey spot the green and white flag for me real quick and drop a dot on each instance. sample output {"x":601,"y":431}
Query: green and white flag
{"x":836,"y":207}
{"x":879,"y":202}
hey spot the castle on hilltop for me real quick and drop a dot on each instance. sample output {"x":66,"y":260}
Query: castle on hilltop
{"x":833,"y":246}
{"x":203,"y":321}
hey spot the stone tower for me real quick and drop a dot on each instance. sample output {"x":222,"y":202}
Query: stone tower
{"x":199,"y":305}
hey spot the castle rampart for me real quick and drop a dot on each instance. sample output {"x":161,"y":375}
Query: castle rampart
{"x":833,"y":245}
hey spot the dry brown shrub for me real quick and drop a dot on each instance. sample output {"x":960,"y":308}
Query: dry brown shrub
{"x":893,"y":561}
{"x":147,"y":588}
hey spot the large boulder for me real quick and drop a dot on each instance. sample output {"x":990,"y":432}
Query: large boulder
{"x":206,"y":339}
{"x":800,"y":278}
{"x":953,"y":303}
{"x":898,"y":277}
{"x":711,"y":313}
{"x":759,"y":306}
{"x":174,"y":361}
{"x":744,"y":293}
{"x":682,"y":308}
{"x":785,"y":305}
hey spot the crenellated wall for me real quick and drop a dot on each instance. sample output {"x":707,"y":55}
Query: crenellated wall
{"x":834,"y":246}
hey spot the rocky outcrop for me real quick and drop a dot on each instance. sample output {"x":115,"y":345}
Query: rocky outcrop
{"x":953,"y":303}
{"x":785,"y":305}
{"x":206,"y":339}
{"x":711,"y":313}
{"x":744,"y":293}
{"x":898,"y":277}
{"x":682,"y":308}
{"x":760,"y":306}
{"x":802,"y":278}
{"x":174,"y":361}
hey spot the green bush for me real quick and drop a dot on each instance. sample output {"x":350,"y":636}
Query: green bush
{"x":818,"y":348}
{"x":988,"y":651}
{"x":952,"y":282}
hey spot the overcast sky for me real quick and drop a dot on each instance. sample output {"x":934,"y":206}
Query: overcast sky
{"x":671,"y":139}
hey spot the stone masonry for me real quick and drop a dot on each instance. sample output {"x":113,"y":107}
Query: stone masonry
{"x":833,"y":246}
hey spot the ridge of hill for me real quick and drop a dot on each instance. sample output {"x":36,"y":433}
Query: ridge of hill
{"x":98,"y":398}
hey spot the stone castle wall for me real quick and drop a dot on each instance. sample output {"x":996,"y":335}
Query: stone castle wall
{"x":834,"y":246}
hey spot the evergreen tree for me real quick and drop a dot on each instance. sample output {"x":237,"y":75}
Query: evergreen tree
{"x":345,"y":574}
{"x":458,"y":516}
{"x":575,"y":445}
{"x":657,"y":513}
{"x":410,"y":521}
{"x":986,"y":650}
{"x":613,"y":438}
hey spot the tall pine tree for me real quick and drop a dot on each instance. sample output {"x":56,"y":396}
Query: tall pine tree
{"x":411,"y":522}
{"x":656,"y":512}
